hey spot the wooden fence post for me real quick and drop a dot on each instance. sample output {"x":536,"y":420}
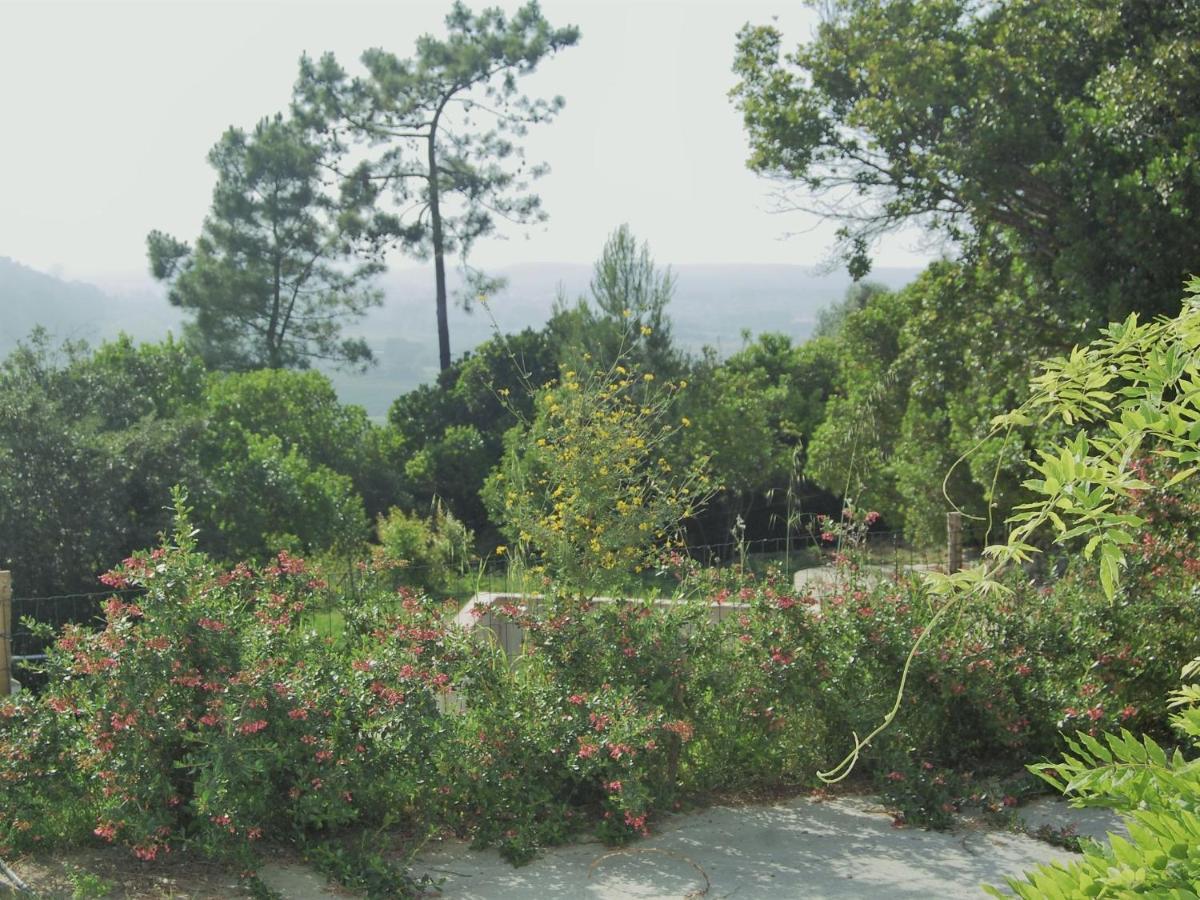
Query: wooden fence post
{"x":954,"y":548}
{"x":6,"y":628}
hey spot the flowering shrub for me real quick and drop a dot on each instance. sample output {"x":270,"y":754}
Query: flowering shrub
{"x":588,"y":729}
{"x":205,"y":712}
{"x":585,"y":491}
{"x":848,"y":537}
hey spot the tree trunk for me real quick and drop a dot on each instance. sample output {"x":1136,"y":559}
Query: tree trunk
{"x":273,"y":354}
{"x":439,"y":262}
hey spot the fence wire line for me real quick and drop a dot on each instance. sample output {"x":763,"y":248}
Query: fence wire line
{"x":74,"y":606}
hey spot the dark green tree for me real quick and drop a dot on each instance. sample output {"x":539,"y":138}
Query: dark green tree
{"x":752,"y":416}
{"x":302,"y":411}
{"x":448,"y":178}
{"x":90,"y":445}
{"x":1061,"y":131}
{"x":273,"y":277}
{"x":453,"y":429}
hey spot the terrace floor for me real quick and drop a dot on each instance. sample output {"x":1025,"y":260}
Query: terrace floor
{"x":798,"y":848}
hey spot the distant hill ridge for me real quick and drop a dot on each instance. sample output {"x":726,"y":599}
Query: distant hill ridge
{"x":713,"y":304}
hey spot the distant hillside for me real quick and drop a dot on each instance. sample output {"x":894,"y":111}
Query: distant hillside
{"x":75,"y":310}
{"x":713,"y":304}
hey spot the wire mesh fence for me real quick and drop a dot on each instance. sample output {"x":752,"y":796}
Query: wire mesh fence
{"x":350,"y":583}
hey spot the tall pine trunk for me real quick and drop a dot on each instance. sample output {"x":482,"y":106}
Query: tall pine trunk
{"x":439,"y":262}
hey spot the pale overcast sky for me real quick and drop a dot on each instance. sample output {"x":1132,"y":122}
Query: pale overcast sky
{"x":109,"y":109}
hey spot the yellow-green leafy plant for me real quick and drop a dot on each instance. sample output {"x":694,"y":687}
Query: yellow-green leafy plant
{"x":1133,"y":393}
{"x":426,"y":552}
{"x":1157,"y":795}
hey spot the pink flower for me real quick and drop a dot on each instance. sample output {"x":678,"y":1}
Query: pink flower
{"x":114,"y":580}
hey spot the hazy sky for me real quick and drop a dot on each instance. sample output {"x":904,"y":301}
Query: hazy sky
{"x":109,"y":109}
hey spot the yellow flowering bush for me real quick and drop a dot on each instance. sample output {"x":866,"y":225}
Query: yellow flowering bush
{"x":586,"y":492}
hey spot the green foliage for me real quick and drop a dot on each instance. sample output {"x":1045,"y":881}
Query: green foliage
{"x":93,"y":441}
{"x":1157,"y":794}
{"x":858,"y":295}
{"x":302,"y":410}
{"x":89,"y":446}
{"x":849,"y":452}
{"x":431,"y":551}
{"x":273,"y":276}
{"x":1064,"y":132}
{"x":1062,"y":180}
{"x":453,"y":430}
{"x":204,"y":712}
{"x":459,"y":461}
{"x":262,"y":497}
{"x":626,"y":316}
{"x":919,"y":376}
{"x":1130,"y":393}
{"x":584,"y":491}
{"x":448,"y":179}
{"x":753,"y":416}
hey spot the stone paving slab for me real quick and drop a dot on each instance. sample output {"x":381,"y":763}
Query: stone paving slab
{"x":1055,"y":813}
{"x":801,"y":848}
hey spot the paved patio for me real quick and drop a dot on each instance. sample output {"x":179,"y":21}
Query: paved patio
{"x":800,"y":848}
